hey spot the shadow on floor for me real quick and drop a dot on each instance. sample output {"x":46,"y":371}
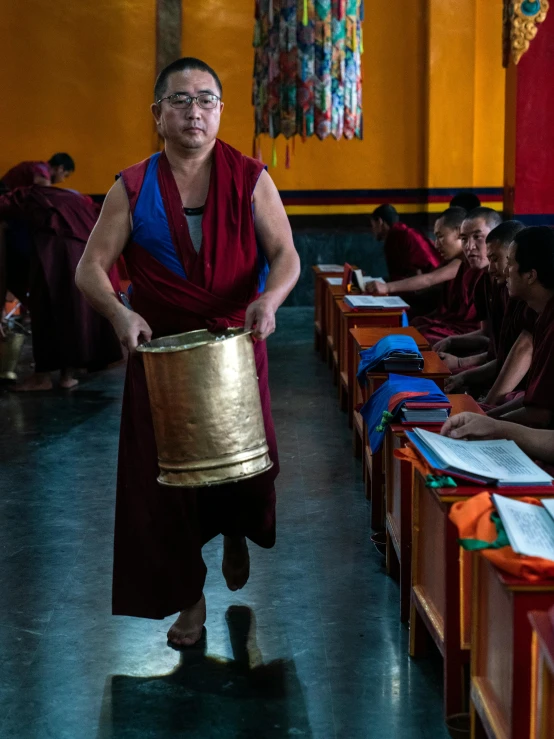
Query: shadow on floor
{"x":207,"y":696}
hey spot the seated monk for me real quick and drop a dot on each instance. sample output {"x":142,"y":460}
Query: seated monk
{"x":457,"y":312}
{"x":199,"y":223}
{"x":530,"y":277}
{"x":67,"y":333}
{"x":55,"y":170}
{"x":407,"y":252}
{"x":495,"y":308}
{"x":465,"y":199}
{"x":448,"y":244}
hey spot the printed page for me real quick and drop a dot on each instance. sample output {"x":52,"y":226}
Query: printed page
{"x":548,"y":503}
{"x":529,"y":527}
{"x":330,"y":267}
{"x":334,"y":280}
{"x":371,"y":301}
{"x":498,"y":459}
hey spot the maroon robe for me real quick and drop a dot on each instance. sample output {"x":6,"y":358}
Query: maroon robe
{"x":67,"y":332}
{"x":408,"y":252}
{"x":540,"y":388}
{"x":23,"y":174}
{"x":491,"y":300}
{"x":457,"y":312}
{"x":518,"y":317}
{"x":160,"y":531}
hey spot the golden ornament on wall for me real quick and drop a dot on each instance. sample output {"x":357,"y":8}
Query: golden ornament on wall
{"x":521,"y":19}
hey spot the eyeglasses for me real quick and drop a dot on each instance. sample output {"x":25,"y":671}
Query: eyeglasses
{"x":179,"y":100}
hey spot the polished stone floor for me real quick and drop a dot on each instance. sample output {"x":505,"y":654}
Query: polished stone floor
{"x":312,"y":647}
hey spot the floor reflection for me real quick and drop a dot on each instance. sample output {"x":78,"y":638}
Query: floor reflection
{"x":207,"y":696}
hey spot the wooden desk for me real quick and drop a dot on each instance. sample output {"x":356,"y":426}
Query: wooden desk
{"x":332,"y":294}
{"x":442,"y":582}
{"x":349,"y":319}
{"x":398,"y":505}
{"x":364,"y":338}
{"x":373,"y":465}
{"x":501,"y":667}
{"x":319,"y":317}
{"x":542,"y":676}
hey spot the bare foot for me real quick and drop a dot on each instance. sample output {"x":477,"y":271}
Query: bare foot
{"x":236,"y":562}
{"x":34,"y":383}
{"x":187,"y":630}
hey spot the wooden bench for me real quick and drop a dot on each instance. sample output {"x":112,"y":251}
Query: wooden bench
{"x":542,"y":677}
{"x":319,"y":318}
{"x":399,"y":478}
{"x":501,"y":653}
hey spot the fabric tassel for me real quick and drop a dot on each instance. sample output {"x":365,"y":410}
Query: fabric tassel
{"x":270,"y":13}
{"x":305,"y":19}
{"x":361,"y":40}
{"x":287,"y":157}
{"x":274,"y":154}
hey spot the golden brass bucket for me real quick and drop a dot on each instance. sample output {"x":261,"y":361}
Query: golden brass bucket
{"x":206,"y":408}
{"x":10,"y":351}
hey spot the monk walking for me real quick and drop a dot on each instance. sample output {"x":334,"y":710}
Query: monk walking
{"x":189,"y":221}
{"x":67,"y":333}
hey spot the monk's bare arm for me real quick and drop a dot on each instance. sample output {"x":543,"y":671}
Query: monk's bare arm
{"x":513,"y":370}
{"x":530,"y":415}
{"x":275,"y":236}
{"x":105,"y":245}
{"x":537,"y":443}
{"x":475,"y":341}
{"x":419,"y":282}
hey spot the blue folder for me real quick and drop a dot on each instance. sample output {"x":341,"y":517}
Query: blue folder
{"x":376,"y":412}
{"x":393,"y":344}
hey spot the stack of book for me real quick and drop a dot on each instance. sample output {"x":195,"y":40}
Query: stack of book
{"x":424,"y":413}
{"x":403,"y":362}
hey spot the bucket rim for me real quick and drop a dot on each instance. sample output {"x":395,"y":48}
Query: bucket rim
{"x":234,"y":332}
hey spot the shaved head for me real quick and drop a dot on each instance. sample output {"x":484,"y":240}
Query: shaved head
{"x":492,"y":218}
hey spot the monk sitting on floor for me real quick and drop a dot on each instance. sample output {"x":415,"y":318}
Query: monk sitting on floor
{"x":457,"y":312}
{"x":449,"y":247}
{"x":506,"y":320}
{"x":530,"y":277}
{"x":67,"y":333}
{"x":407,"y":252}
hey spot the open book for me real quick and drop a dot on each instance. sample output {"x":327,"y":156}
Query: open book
{"x":330,"y":267}
{"x":334,"y":281}
{"x":371,"y":301}
{"x":497,"y":462}
{"x":530,"y":528}
{"x":361,"y":281}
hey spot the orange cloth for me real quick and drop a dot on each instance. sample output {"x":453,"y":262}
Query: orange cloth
{"x":409,"y":454}
{"x":473,"y":519}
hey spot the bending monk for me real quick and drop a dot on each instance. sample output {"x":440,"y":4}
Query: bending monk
{"x":496,"y":308}
{"x":188,"y":221}
{"x":530,"y":277}
{"x":407,"y":252}
{"x":457,"y":313}
{"x":448,"y":244}
{"x":55,"y":170}
{"x":67,"y":333}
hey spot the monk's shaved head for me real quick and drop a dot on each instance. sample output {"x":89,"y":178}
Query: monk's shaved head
{"x":492,"y":218}
{"x":183,"y":65}
{"x":504,"y":233}
{"x":453,"y":217}
{"x":387,"y":213}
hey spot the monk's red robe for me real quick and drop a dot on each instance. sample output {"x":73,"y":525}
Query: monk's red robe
{"x":540,"y":388}
{"x":491,"y":300}
{"x":518,"y":317}
{"x":408,"y":252}
{"x":67,"y":332}
{"x":160,"y":531}
{"x":23,"y":174}
{"x":457,"y":312}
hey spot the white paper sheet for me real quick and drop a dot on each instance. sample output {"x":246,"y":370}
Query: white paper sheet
{"x":330,"y":267}
{"x":530,"y":528}
{"x":334,"y":280}
{"x":499,"y":459}
{"x":372,"y":301}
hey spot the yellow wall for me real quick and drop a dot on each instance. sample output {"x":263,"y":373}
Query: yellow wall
{"x":78,"y":76}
